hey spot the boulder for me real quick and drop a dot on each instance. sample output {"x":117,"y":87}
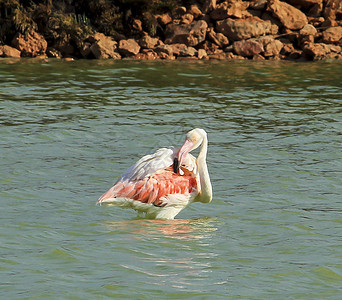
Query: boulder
{"x":177,"y":48}
{"x":188,"y":34}
{"x":316,"y":51}
{"x":332,"y":35}
{"x":308,"y":29}
{"x":208,"y":6}
{"x":163,"y":19}
{"x":202,"y":54}
{"x":247,"y":48}
{"x":188,"y":52}
{"x":146,"y":54}
{"x":218,"y":38}
{"x":241,"y":29}
{"x":7,"y":51}
{"x":195,"y":11}
{"x":101,"y":47}
{"x":147,"y":42}
{"x":164,"y":51}
{"x":271,"y":46}
{"x":187,"y":19}
{"x":289,"y":16}
{"x":30,"y":44}
{"x":128,"y":47}
{"x":236,"y":9}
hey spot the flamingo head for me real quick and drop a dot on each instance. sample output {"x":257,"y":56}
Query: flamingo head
{"x":193,"y":140}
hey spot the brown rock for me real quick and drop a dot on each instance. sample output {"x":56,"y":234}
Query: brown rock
{"x":146,"y":54}
{"x":176,"y":48}
{"x":147,"y":42}
{"x":187,"y":19}
{"x":258,"y":4}
{"x":191,"y":34}
{"x":289,"y":16}
{"x":272,"y":47}
{"x":247,"y":48}
{"x":332,"y":35}
{"x":163,"y":19}
{"x":102,"y":47}
{"x":316,"y":51}
{"x":308,"y":29}
{"x":7,"y":51}
{"x":30,"y":44}
{"x":137,"y":25}
{"x":235,"y":9}
{"x":188,"y":52}
{"x":258,"y":57}
{"x":241,"y":29}
{"x":164,"y":51}
{"x":208,"y":6}
{"x":180,"y":10}
{"x":195,"y":11}
{"x":128,"y":47}
{"x":202,"y":54}
{"x":218,"y":38}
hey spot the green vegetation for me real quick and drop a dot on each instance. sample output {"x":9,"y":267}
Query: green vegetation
{"x":71,"y":21}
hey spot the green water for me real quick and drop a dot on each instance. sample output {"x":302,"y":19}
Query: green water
{"x":69,"y":129}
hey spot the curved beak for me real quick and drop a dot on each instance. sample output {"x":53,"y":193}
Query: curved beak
{"x":184,"y":150}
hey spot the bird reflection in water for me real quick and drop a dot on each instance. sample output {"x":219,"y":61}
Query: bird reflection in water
{"x":179,"y":229}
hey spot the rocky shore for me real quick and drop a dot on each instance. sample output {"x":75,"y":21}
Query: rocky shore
{"x":191,"y":30}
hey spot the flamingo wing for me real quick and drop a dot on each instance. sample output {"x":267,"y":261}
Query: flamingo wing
{"x":150,"y":180}
{"x":149,"y":164}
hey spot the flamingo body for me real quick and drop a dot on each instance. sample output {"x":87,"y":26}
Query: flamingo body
{"x":156,"y":186}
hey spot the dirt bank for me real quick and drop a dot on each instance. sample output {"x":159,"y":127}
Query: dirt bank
{"x":188,"y":30}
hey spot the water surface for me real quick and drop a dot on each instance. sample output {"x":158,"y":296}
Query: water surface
{"x":70,"y":129}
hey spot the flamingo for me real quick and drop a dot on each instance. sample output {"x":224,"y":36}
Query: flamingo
{"x":162,"y":184}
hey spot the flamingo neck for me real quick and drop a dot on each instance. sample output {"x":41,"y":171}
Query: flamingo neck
{"x":206,"y":189}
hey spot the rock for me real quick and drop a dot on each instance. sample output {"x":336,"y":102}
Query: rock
{"x":137,"y":25}
{"x":241,"y":29}
{"x":202,"y":54}
{"x":7,"y":51}
{"x":191,"y":34}
{"x":147,"y":42}
{"x":332,"y":35}
{"x":208,"y":6}
{"x":258,"y":4}
{"x":209,"y":47}
{"x":218,"y":38}
{"x":188,"y":52}
{"x":258,"y":57}
{"x":316,"y":51}
{"x":128,"y":47}
{"x":163,"y":19}
{"x":180,"y":10}
{"x":146,"y":54}
{"x":308,"y":29}
{"x":66,"y":49}
{"x":52,"y":52}
{"x":102,"y":47}
{"x":247,"y":48}
{"x":176,"y":48}
{"x":164,"y":51}
{"x":30,"y":44}
{"x":187,"y":19}
{"x":195,"y":11}
{"x":289,"y":16}
{"x":236,"y":9}
{"x":271,"y":46}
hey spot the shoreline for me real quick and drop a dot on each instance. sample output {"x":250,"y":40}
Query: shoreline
{"x":305,"y":30}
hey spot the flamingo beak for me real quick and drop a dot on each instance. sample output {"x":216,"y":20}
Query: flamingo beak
{"x":184,"y":150}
